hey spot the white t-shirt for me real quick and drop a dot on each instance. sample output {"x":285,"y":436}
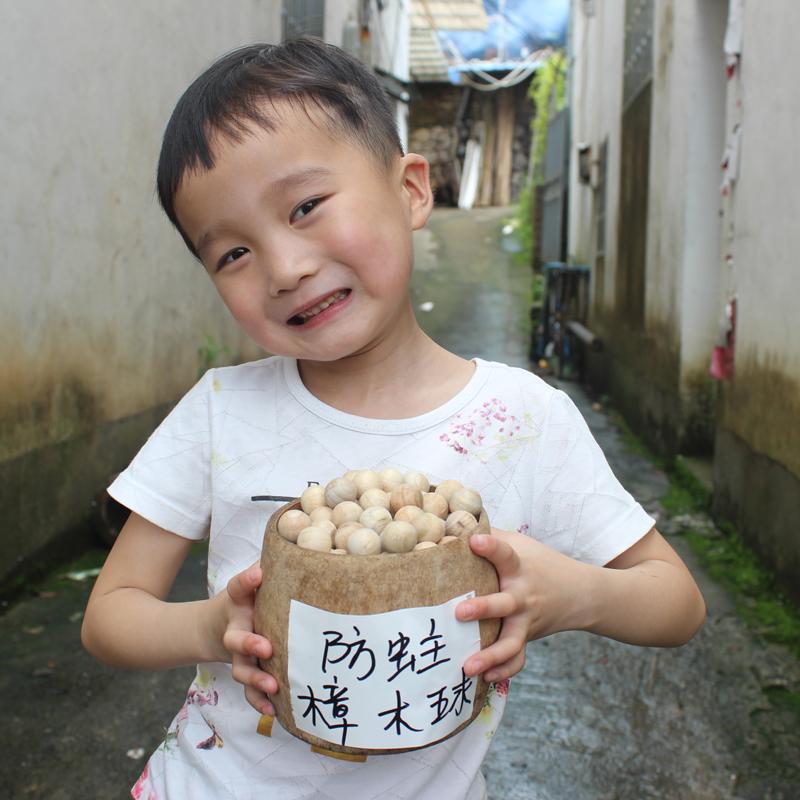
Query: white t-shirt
{"x":255,"y":430}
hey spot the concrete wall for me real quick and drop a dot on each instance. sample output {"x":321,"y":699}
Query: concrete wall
{"x":102,"y":309}
{"x":757,"y":464}
{"x":659,"y":368}
{"x":704,"y":249}
{"x":390,"y":31}
{"x":595,"y":77}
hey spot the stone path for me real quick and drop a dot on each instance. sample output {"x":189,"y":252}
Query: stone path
{"x":588,"y":718}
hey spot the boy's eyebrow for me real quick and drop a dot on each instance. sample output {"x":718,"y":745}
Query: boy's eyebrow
{"x":282,"y":184}
{"x":300,"y":177}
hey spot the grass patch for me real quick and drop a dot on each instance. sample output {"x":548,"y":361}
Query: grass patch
{"x":782,"y":698}
{"x":732,"y":563}
{"x":683,"y":478}
{"x":726,"y":556}
{"x":631,"y":441}
{"x":677,"y":500}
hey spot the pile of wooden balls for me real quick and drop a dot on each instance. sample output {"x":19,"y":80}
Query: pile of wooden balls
{"x":367,"y":512}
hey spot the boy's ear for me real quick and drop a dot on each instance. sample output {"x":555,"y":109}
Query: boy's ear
{"x":417,"y":185}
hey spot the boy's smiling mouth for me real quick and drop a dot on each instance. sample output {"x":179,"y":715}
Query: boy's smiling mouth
{"x":313,"y":311}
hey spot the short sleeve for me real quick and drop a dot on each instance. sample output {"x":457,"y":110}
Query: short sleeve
{"x":580,"y":508}
{"x":169,"y":480}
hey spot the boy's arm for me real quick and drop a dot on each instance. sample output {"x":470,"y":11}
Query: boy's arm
{"x":645,"y":596}
{"x":128,"y":623}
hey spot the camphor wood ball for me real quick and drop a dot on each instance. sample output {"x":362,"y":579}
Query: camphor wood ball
{"x":399,"y":537}
{"x":446,"y":488}
{"x":321,"y":514}
{"x":429,"y":527}
{"x":374,"y":497}
{"x":376,"y":518}
{"x":327,"y":526}
{"x":348,"y":511}
{"x":404,"y":495}
{"x":466,"y":500}
{"x":366,"y":479}
{"x":390,"y":477}
{"x":461,"y":523}
{"x":339,"y":490}
{"x":364,"y":542}
{"x":400,"y":519}
{"x":291,"y":523}
{"x":343,"y":532}
{"x":314,"y":539}
{"x":408,"y":513}
{"x":417,"y":479}
{"x":424,"y":545}
{"x":313,"y":497}
{"x":435,"y":504}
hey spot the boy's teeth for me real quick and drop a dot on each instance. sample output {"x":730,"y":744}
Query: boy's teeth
{"x":312,"y":312}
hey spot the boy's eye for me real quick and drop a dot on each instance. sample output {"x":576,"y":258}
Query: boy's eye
{"x":305,"y":208}
{"x":230,"y":256}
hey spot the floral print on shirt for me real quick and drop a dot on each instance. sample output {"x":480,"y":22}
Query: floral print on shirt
{"x":488,"y":432}
{"x":201,"y":693}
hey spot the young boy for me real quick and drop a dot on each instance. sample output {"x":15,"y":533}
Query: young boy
{"x":282,"y":170}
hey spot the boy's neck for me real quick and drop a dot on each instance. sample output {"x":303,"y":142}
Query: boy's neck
{"x":405,"y":378}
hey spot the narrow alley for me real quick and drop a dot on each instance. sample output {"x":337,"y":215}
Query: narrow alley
{"x":588,"y":718}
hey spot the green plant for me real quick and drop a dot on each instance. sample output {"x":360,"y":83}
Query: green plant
{"x":547,"y":92}
{"x":208,"y":353}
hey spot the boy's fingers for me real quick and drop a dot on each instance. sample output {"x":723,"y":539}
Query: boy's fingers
{"x":510,"y":643}
{"x":488,"y":606}
{"x":242,"y":586}
{"x":500,"y":553}
{"x":259,"y":701}
{"x":246,"y":643}
{"x":245,"y":672}
{"x":506,"y":670}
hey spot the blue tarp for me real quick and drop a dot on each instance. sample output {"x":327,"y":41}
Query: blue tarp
{"x":523,"y":27}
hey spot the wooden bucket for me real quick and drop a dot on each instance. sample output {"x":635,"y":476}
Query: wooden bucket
{"x":349,"y":584}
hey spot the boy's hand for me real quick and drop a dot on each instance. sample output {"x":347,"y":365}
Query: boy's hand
{"x":243,"y":646}
{"x":539,"y":588}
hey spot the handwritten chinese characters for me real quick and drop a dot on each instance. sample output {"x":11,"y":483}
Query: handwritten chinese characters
{"x":381,"y":681}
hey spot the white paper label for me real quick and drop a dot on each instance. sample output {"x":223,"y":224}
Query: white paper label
{"x":381,"y":681}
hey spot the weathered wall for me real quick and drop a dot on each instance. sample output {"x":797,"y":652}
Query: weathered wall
{"x":760,"y":408}
{"x":103,"y":310}
{"x":659,"y":337}
{"x":696,"y":261}
{"x":390,"y":30}
{"x":597,"y":46}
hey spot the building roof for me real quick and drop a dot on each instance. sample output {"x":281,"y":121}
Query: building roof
{"x":428,"y":62}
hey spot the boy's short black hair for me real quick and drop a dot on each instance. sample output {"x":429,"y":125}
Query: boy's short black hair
{"x":230,"y":96}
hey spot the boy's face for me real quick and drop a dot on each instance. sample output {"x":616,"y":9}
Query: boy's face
{"x":306,"y":237}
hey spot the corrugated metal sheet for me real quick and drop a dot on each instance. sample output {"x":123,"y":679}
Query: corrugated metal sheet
{"x":449,"y":15}
{"x":427,"y":61}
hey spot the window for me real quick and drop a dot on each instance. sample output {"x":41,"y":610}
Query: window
{"x":303,"y":18}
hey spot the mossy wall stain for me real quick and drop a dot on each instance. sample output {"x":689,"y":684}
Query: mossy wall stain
{"x":640,"y":370}
{"x":698,"y":412}
{"x":670,"y":407}
{"x":62,"y":408}
{"x":761,"y":405}
{"x":762,"y":499}
{"x":666,"y":37}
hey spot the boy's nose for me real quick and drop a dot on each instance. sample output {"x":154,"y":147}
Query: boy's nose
{"x":286,"y":269}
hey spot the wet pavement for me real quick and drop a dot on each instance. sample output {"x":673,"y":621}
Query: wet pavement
{"x":587,"y":719}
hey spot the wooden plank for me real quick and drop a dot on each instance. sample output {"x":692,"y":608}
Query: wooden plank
{"x":485,"y":188}
{"x":504,"y":147}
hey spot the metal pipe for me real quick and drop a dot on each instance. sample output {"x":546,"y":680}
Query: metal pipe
{"x":585,"y":335}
